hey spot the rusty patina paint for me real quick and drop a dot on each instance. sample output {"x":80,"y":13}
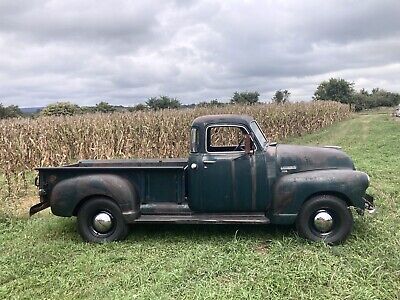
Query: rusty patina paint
{"x":306,"y":158}
{"x":291,"y":190}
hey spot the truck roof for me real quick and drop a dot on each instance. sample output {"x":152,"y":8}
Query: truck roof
{"x":225,"y":118}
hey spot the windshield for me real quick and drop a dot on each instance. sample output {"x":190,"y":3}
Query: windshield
{"x":259,"y":134}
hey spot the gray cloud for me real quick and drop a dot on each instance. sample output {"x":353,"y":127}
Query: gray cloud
{"x":126,"y":51}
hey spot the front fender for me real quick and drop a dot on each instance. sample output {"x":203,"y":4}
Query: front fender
{"x":68,"y":194}
{"x":292,"y":190}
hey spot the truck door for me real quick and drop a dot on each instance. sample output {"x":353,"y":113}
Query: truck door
{"x":223,"y":178}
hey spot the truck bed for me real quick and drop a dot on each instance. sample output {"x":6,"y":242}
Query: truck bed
{"x":154,"y":180}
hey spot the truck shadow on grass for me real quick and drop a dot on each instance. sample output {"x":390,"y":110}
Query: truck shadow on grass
{"x":227,"y":232}
{"x":231,"y":232}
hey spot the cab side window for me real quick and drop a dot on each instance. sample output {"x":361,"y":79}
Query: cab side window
{"x":225,"y":138}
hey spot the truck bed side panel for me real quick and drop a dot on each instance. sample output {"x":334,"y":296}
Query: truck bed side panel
{"x":66,"y":187}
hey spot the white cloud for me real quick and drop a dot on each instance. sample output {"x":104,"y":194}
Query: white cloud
{"x":126,"y":51}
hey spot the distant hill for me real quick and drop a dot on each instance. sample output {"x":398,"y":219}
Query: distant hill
{"x":30,"y":110}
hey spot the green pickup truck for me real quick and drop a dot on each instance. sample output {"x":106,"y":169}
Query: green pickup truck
{"x":233,"y":176}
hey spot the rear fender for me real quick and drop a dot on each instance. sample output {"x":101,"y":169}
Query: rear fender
{"x":68,"y":194}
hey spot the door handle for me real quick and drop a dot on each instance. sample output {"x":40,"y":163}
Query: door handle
{"x":209,"y":161}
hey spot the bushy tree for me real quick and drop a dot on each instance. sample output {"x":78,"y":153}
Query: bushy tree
{"x":335,"y":89}
{"x":162,"y":102}
{"x":378,"y":97}
{"x":2,"y":111}
{"x":281,"y":97}
{"x":11,"y":111}
{"x":87,"y":109}
{"x":247,"y":98}
{"x":137,"y":107}
{"x":104,"y":107}
{"x":61,"y":109}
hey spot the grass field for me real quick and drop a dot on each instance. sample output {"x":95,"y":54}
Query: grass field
{"x":44,"y":257}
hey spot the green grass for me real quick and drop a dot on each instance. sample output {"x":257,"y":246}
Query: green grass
{"x":44,"y":257}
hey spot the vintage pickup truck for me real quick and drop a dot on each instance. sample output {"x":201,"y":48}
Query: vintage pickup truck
{"x":233,"y":175}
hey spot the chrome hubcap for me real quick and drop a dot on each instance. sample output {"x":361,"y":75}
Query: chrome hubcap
{"x":102,"y":222}
{"x":323,"y":221}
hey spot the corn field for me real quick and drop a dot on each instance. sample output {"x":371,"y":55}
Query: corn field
{"x":52,"y":141}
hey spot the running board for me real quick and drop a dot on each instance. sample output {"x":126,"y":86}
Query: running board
{"x":205,"y":219}
{"x":167,"y":208}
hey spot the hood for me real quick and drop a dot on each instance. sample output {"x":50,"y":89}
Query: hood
{"x":292,"y":158}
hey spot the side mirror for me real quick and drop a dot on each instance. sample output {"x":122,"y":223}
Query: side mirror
{"x":248,"y":144}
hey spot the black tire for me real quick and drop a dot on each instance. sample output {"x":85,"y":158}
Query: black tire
{"x":342,"y":219}
{"x":92,"y":208}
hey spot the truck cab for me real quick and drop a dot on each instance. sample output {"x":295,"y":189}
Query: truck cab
{"x":233,"y":175}
{"x":228,"y":165}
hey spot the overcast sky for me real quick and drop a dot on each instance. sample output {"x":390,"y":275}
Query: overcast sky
{"x":124,"y":52}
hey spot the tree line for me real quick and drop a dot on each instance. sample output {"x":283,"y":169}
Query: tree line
{"x":65,"y":108}
{"x":338,"y":89}
{"x":334,"y":89}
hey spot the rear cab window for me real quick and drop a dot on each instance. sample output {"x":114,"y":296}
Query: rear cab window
{"x":194,"y":140}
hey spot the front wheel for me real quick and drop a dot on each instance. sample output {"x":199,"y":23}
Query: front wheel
{"x":100,"y":220}
{"x":325,"y":218}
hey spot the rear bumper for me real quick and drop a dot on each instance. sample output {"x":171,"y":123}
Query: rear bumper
{"x":38,"y":207}
{"x":369,"y":205}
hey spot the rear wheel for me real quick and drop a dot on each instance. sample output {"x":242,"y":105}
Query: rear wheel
{"x":325,"y":218}
{"x":100,"y":220}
